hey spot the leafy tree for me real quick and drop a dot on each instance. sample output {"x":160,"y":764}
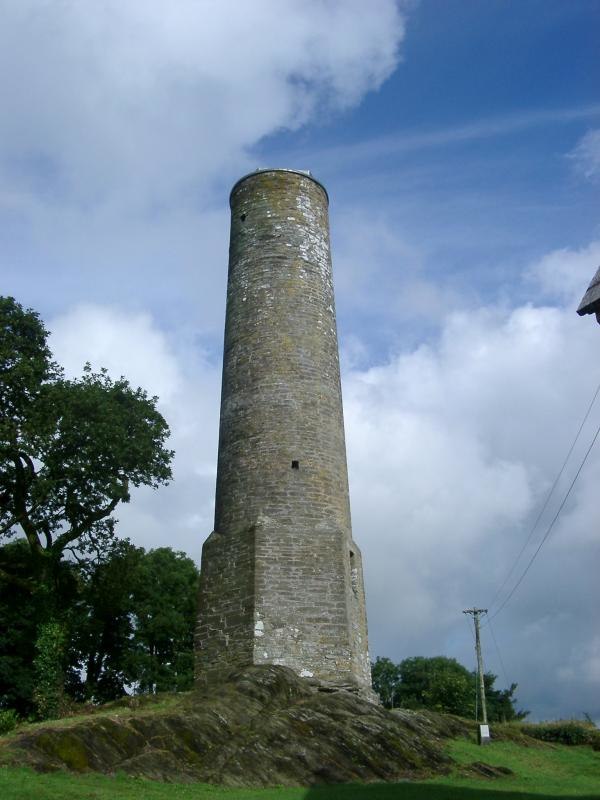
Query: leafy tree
{"x":17,"y":631}
{"x":70,"y":450}
{"x":385,"y":677}
{"x":103,"y":626}
{"x":21,"y":611}
{"x":134,"y":627}
{"x":441,"y":684}
{"x":130,"y":618}
{"x":164,"y":607}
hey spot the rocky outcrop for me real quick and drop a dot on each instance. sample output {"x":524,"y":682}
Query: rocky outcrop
{"x":264,"y":726}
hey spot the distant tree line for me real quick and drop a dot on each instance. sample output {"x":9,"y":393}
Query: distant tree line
{"x":441,"y":684}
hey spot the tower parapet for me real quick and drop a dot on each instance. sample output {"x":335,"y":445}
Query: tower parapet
{"x":281,"y":578}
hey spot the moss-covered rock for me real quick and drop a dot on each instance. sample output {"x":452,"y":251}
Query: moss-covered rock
{"x":263,"y":726}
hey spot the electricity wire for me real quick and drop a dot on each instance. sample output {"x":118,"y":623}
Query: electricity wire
{"x":499,"y":655}
{"x":548,"y":496}
{"x":549,"y":529}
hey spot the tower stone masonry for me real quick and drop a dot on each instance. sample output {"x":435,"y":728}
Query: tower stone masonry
{"x":281,"y":578}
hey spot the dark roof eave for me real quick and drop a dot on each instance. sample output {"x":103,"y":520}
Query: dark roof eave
{"x":590,"y":303}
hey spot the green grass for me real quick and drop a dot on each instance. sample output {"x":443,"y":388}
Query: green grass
{"x":144,"y":705}
{"x":546,"y":770}
{"x":541,"y":771}
{"x":20,"y":783}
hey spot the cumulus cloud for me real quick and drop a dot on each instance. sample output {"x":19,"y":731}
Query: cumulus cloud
{"x":125,"y":124}
{"x":153,"y":99}
{"x":124,"y":344}
{"x":563,"y":275}
{"x":176,"y":369}
{"x":452,"y":449}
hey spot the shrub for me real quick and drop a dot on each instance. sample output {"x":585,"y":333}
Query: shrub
{"x":568,"y":731}
{"x":9,"y":719}
{"x":48,"y":694}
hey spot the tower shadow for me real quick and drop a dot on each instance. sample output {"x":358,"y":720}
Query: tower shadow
{"x":414,"y":790}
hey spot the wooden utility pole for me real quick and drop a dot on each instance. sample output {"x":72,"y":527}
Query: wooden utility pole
{"x":476,"y":613}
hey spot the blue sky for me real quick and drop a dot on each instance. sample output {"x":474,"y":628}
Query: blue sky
{"x":460,"y":145}
{"x":465,"y":145}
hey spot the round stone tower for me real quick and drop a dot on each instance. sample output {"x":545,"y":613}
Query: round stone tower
{"x":281,"y":579}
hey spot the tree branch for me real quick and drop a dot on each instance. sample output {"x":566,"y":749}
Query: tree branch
{"x":47,"y":535}
{"x":29,"y":462}
{"x":76,"y":530}
{"x":20,"y":506}
{"x":73,"y":552}
{"x":16,"y":519}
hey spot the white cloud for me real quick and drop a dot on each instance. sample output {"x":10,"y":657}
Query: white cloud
{"x":176,"y":369}
{"x":452,"y":448}
{"x":155,"y":99}
{"x":586,"y":155}
{"x":565,"y":274}
{"x":125,"y":344}
{"x":125,"y":123}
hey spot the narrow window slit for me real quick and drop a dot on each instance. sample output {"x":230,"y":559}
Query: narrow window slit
{"x":243,"y":217}
{"x":295,"y":465}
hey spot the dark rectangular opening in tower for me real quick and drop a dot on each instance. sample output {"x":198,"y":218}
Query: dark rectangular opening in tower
{"x":295,"y":465}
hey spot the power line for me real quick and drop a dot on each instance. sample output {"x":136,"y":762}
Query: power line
{"x":550,"y":527}
{"x":549,"y":495}
{"x":499,"y":654}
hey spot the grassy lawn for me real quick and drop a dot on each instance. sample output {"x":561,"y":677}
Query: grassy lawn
{"x":20,"y":783}
{"x":546,"y":771}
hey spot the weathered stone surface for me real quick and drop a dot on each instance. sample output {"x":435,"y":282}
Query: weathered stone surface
{"x":265,"y":726}
{"x":281,"y":578}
